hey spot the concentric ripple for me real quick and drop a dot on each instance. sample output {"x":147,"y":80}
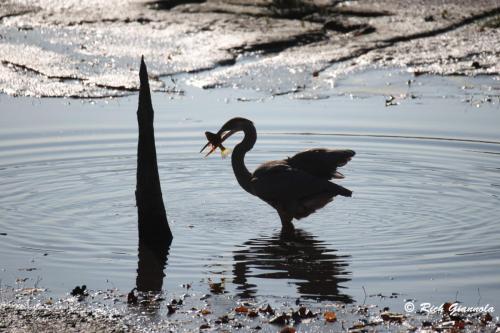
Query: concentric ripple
{"x":420,"y":222}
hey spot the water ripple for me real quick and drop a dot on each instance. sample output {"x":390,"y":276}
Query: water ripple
{"x":423,"y":210}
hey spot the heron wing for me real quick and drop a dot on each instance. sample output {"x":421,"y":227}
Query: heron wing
{"x":293,"y":190}
{"x":322,"y":163}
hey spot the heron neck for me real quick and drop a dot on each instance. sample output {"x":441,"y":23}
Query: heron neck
{"x":238,"y":157}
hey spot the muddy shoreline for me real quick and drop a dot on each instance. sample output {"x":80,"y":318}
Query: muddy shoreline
{"x":91,"y":50}
{"x":115,"y":311}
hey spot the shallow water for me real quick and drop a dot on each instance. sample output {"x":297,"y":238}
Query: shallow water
{"x":422,"y":222}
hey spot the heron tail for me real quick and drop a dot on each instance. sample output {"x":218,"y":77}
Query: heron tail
{"x":339,"y":190}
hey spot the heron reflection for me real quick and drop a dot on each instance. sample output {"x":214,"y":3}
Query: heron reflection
{"x":296,"y":256}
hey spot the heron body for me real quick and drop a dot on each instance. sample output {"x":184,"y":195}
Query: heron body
{"x":296,"y":186}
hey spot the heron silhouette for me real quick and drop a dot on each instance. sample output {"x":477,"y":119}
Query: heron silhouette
{"x":296,"y":186}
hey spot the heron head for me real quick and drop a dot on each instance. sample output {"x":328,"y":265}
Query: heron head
{"x":234,"y":125}
{"x":215,"y":140}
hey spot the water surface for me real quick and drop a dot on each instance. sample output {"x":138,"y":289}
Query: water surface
{"x":422,"y":222}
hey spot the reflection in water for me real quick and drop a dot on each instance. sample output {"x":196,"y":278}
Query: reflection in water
{"x":292,"y":256}
{"x":152,"y":262}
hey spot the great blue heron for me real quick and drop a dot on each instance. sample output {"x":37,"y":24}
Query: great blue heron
{"x":296,"y":186}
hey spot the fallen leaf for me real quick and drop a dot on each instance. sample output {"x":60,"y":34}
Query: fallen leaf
{"x":305,"y":313}
{"x":268,"y":309}
{"x":487,"y":318}
{"x":460,"y":324}
{"x":279,"y":320}
{"x":252,"y":314}
{"x":390,"y":101}
{"x":241,"y":309}
{"x":391,"y":316}
{"x":216,"y":288}
{"x":79,"y":291}
{"x":330,"y":316}
{"x":30,"y":291}
{"x":288,"y":329}
{"x":446,"y":307}
{"x":446,"y":325}
{"x":357,"y":325}
{"x":205,"y":312}
{"x":176,"y":302}
{"x":132,"y":297}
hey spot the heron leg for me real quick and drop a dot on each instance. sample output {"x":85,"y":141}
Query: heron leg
{"x":286,"y":221}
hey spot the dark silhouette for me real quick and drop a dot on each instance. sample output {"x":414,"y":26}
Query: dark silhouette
{"x":153,"y":224}
{"x":155,"y":236}
{"x":150,"y":267}
{"x":292,"y":256}
{"x":297,"y":186}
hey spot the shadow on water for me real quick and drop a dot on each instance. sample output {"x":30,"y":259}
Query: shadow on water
{"x":292,"y":256}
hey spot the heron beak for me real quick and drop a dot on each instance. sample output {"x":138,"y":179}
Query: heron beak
{"x":215,"y":141}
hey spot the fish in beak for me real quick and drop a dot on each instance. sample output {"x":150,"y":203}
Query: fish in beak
{"x":215,"y":141}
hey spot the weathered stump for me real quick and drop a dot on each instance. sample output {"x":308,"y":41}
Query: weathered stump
{"x":155,"y":236}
